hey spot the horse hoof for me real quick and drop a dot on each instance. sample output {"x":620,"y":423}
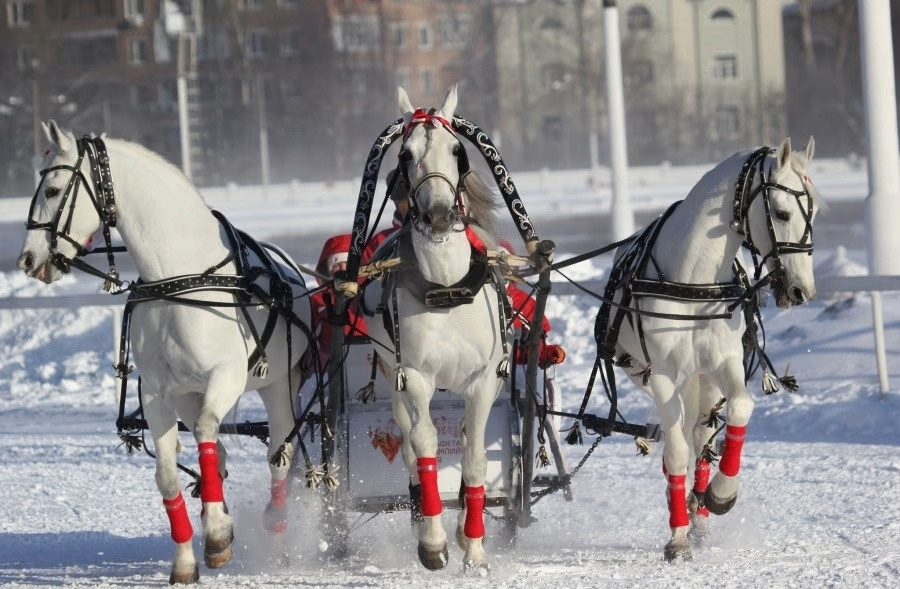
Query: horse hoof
{"x":218,"y":553}
{"x":479,"y":569}
{"x":674,"y":551}
{"x":185,"y":576}
{"x":434,"y":560}
{"x":718,"y":506}
{"x":699,"y":532}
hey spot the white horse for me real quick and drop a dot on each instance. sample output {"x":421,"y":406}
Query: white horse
{"x":460,"y":348}
{"x":682,"y":265}
{"x":193,"y":359}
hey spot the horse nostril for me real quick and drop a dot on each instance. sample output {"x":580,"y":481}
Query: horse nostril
{"x":26,"y":262}
{"x":427,"y":218}
{"x":798,"y":295}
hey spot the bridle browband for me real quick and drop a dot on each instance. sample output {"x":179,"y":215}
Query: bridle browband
{"x":100,"y":191}
{"x":743,"y":198}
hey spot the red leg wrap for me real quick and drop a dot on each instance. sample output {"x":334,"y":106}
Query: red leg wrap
{"x":678,"y":515}
{"x":730,"y":463}
{"x":210,"y":481}
{"x":279,"y":494}
{"x":179,"y":522}
{"x":474,"y":527}
{"x":431,"y":498}
{"x":701,"y":476}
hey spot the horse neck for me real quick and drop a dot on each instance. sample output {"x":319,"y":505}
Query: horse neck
{"x":445,"y":262}
{"x":164,"y":223}
{"x":696,"y":244}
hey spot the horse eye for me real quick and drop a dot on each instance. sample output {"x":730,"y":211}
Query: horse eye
{"x":405,"y":156}
{"x":783,"y":215}
{"x":51,"y":192}
{"x":457,"y":149}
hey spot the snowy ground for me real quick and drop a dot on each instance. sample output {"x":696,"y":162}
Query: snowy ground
{"x":821,"y":472}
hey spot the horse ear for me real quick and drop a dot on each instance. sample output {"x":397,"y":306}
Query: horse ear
{"x":60,"y":139}
{"x":403,"y":103}
{"x":449,"y":106}
{"x":810,"y":149}
{"x":784,"y":152}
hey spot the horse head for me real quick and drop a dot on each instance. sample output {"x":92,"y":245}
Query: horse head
{"x":433,"y":161}
{"x":60,"y":225}
{"x":778,"y":225}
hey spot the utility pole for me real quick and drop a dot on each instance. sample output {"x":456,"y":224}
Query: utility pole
{"x":883,"y":202}
{"x":620,"y":213}
{"x":263,"y":132}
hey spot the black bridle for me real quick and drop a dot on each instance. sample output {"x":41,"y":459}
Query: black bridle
{"x":433,"y":120}
{"x":743,"y":198}
{"x":100,"y":191}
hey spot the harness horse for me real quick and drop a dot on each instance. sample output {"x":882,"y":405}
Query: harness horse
{"x":668,"y":317}
{"x":445,"y":309}
{"x":212,"y":315}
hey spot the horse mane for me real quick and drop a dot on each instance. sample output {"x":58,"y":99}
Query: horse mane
{"x":481,"y":204}
{"x":157,"y":159}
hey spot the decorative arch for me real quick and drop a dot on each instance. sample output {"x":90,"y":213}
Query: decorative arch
{"x":722,"y":15}
{"x":639,"y":18}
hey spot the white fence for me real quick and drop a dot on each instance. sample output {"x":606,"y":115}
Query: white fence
{"x":824,"y":285}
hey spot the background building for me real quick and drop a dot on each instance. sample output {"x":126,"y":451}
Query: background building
{"x":298,"y":89}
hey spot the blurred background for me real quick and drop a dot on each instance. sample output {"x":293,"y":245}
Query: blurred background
{"x":274,"y":91}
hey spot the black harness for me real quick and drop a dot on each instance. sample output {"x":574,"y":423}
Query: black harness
{"x":100,"y":191}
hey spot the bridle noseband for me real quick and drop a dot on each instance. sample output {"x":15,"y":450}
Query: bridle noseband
{"x":743,"y":198}
{"x":100,"y":191}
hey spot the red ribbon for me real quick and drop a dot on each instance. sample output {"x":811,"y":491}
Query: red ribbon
{"x":419,"y":117}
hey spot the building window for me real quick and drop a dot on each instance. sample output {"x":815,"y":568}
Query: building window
{"x":401,"y":77}
{"x":398,"y":32}
{"x":725,"y":67}
{"x":20,"y":13}
{"x":26,"y":58}
{"x":639,"y":19}
{"x":137,"y":51}
{"x":250,"y":4}
{"x":141,"y":96}
{"x":357,"y":32}
{"x":553,"y":129}
{"x":290,"y":42}
{"x":554,"y":77}
{"x":455,"y":31}
{"x":728,"y":121}
{"x":425,"y":41}
{"x":256,"y":44}
{"x":639,"y":73}
{"x":167,"y":95}
{"x":722,"y":15}
{"x":426,"y":80}
{"x":551,"y":24}
{"x":134,"y":10}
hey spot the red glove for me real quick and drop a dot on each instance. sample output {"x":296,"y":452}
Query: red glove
{"x":551,"y":354}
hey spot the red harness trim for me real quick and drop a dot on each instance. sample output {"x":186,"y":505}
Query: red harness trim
{"x":420,"y":116}
{"x":475,"y":240}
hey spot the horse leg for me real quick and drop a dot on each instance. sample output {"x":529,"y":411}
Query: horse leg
{"x":163,"y":425}
{"x":224,"y":386}
{"x":675,"y":463}
{"x":474,"y":470}
{"x":723,"y":489}
{"x":423,"y":438}
{"x":707,"y":397}
{"x":276,"y":398}
{"x":401,"y":416}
